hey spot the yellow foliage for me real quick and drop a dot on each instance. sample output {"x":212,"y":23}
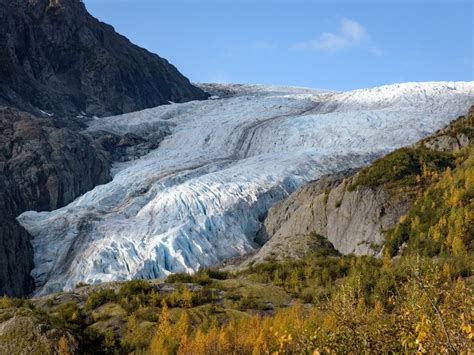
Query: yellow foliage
{"x":63,"y":346}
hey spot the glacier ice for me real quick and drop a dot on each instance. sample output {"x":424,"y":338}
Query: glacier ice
{"x":199,"y":197}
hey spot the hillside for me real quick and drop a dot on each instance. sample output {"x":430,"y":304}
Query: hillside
{"x":355,"y":212}
{"x":56,"y":58}
{"x":416,"y":297}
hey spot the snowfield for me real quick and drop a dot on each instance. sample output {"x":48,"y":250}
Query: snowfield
{"x":199,"y":197}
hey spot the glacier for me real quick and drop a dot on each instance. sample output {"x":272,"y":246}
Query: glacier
{"x":199,"y":197}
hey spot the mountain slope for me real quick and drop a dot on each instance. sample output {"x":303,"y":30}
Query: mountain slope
{"x":199,"y":198}
{"x":357,"y":213}
{"x":57,"y":58}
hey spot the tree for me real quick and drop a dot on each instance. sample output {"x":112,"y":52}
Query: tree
{"x":182,"y":326}
{"x":131,"y":336}
{"x":187,"y":298}
{"x":164,"y":341}
{"x":63,"y":346}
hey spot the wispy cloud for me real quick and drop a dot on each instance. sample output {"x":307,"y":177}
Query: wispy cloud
{"x":350,"y":34}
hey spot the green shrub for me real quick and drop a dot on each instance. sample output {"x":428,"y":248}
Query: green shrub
{"x":307,"y":296}
{"x":401,"y":167}
{"x":134,"y":287}
{"x":99,"y":298}
{"x":11,"y":302}
{"x":217,"y":274}
{"x":247,"y":302}
{"x":7,"y":302}
{"x":202,"y":277}
{"x":321,"y":246}
{"x":68,"y":315}
{"x":440,"y":221}
{"x":181,"y":277}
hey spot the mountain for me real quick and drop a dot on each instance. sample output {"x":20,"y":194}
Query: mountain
{"x":56,"y":58}
{"x":43,"y":166}
{"x":60,"y":64}
{"x":201,"y":196}
{"x":415,"y":297}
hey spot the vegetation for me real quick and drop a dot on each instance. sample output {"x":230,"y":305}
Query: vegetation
{"x":403,"y":167}
{"x":441,"y":221}
{"x":202,"y":277}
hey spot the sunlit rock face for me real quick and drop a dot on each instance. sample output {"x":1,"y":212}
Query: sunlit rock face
{"x":200,"y":196}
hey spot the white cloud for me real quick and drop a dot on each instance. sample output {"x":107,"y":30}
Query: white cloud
{"x":352,"y":30}
{"x":351,"y":34}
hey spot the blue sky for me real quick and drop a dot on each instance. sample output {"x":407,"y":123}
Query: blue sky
{"x":335,"y":44}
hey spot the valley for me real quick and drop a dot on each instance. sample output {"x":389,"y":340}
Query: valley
{"x":142,"y":212}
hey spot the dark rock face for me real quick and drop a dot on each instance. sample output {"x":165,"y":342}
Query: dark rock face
{"x":128,"y":146}
{"x":16,"y":252}
{"x":56,"y":57}
{"x":42,"y":167}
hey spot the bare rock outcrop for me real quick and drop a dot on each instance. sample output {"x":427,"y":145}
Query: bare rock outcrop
{"x":352,"y":220}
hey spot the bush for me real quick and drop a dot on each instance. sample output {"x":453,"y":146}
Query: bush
{"x":134,"y":294}
{"x":217,"y":274}
{"x":99,"y":298}
{"x":401,"y":167}
{"x":202,"y":277}
{"x":307,"y":296}
{"x":134,"y":287}
{"x":440,"y":221}
{"x":68,"y":315}
{"x":7,"y":302}
{"x":248,"y":302}
{"x":181,"y":277}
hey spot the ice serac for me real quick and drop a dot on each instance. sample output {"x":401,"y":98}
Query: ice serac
{"x":199,"y":197}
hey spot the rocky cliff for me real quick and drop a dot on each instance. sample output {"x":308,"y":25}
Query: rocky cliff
{"x":43,"y":166}
{"x":56,"y":57}
{"x":352,"y":220}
